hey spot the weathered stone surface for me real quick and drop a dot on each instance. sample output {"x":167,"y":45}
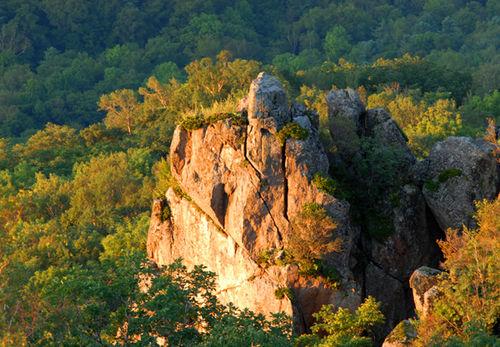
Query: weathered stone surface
{"x":241,"y":187}
{"x":411,"y":241}
{"x":402,"y":335}
{"x":377,"y":123}
{"x":423,"y":284}
{"x":411,"y":244}
{"x":194,"y":237}
{"x":457,"y":172}
{"x":389,"y":291}
{"x":267,"y":100}
{"x":345,"y":103}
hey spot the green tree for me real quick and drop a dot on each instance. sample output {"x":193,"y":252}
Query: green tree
{"x":120,"y":107}
{"x":342,"y":327}
{"x":337,"y":43}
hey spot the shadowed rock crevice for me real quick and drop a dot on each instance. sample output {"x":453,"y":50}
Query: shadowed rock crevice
{"x":219,"y":202}
{"x":285,"y":182}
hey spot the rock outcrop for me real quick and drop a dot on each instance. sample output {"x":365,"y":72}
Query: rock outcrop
{"x":390,"y":260}
{"x":241,"y":182}
{"x":239,"y":186}
{"x":458,"y":172}
{"x":423,"y":284}
{"x":401,"y":336}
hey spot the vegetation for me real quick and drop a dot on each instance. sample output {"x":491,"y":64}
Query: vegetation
{"x":292,"y":130}
{"x":312,"y":237}
{"x":324,"y":184}
{"x":468,"y":306}
{"x":344,"y":328}
{"x":91,"y":91}
{"x":283,"y":292}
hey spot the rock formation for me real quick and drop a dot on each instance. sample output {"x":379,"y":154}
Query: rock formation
{"x":411,"y":243}
{"x":457,"y":172}
{"x":239,"y":187}
{"x":423,"y":283}
{"x":239,"y":184}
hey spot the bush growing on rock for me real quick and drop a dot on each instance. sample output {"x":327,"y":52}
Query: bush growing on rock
{"x":312,"y":236}
{"x":292,"y":130}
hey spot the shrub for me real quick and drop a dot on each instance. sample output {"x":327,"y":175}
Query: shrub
{"x":469,"y":301}
{"x":312,"y":237}
{"x":344,"y":328}
{"x":282,"y":292}
{"x":292,"y":130}
{"x":218,"y":111}
{"x":324,"y":184}
{"x":265,"y":256}
{"x":192,"y":122}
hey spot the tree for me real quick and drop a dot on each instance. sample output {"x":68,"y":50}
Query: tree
{"x":312,"y":237}
{"x":469,"y":299}
{"x":343,"y":328}
{"x":336,"y":43}
{"x":120,"y":107}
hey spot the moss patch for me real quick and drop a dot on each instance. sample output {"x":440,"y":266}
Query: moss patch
{"x":445,"y":175}
{"x":282,"y":292}
{"x":431,"y":185}
{"x":449,"y":173}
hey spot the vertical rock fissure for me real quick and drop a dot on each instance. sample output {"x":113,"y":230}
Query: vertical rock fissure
{"x":285,"y":181}
{"x":280,"y":237}
{"x":246,"y":156}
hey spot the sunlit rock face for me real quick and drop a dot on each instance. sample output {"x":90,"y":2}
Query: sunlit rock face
{"x":241,"y":186}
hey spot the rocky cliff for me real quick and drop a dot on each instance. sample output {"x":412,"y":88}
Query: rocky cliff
{"x":240,"y":184}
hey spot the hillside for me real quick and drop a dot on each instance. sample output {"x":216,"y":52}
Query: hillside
{"x":332,"y":166}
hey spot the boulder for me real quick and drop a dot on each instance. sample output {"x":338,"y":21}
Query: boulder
{"x":344,"y":103}
{"x":423,"y":283}
{"x":458,"y":172}
{"x":402,"y":335}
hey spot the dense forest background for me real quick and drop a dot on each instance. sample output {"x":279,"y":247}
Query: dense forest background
{"x":57,"y":57}
{"x":90,"y":92}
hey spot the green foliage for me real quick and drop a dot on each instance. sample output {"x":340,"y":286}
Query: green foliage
{"x":431,"y":185}
{"x":282,"y":292}
{"x":292,"y":130}
{"x":75,"y":194}
{"x":336,"y":43}
{"x":449,"y":173}
{"x":324,"y":184}
{"x":343,"y":328}
{"x":312,"y":238}
{"x":193,"y":122}
{"x":467,"y":308}
{"x":104,"y":47}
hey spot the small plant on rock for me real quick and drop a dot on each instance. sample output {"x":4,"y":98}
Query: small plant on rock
{"x":312,"y":237}
{"x":283,"y":292}
{"x":292,"y":130}
{"x":324,"y":184}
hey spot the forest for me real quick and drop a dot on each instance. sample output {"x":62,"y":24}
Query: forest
{"x":90,"y":94}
